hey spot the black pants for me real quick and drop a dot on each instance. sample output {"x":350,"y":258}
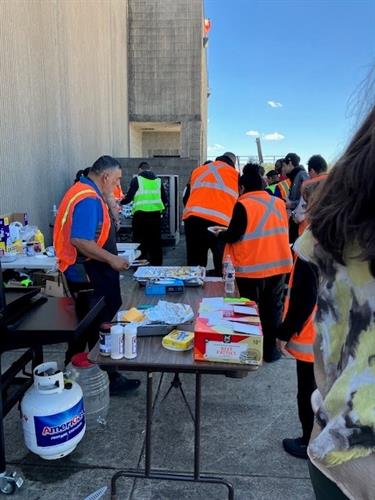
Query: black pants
{"x":306,"y":386}
{"x":324,"y":488}
{"x":104,"y":282}
{"x":199,"y":241}
{"x":269,"y":294}
{"x":147,"y":232}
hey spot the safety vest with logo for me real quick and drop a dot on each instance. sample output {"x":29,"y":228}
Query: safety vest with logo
{"x":263,"y":250}
{"x":301,"y":343}
{"x":66,"y":253}
{"x":148,"y":196}
{"x":213,"y":193}
{"x":284,"y":188}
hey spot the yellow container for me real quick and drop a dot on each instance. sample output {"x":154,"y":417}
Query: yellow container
{"x":178,"y":340}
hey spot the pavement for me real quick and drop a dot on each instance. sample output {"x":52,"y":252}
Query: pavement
{"x":243,"y":424}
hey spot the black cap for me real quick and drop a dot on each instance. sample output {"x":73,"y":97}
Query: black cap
{"x":271,"y":173}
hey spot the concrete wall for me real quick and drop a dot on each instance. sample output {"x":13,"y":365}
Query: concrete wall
{"x":165,"y":67}
{"x":160,"y":143}
{"x":135,"y":142}
{"x":63,"y":96}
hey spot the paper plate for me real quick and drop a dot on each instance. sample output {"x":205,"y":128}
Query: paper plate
{"x":211,"y":229}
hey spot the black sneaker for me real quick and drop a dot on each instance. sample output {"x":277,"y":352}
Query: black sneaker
{"x":271,"y":356}
{"x":120,"y":385}
{"x":296,"y":447}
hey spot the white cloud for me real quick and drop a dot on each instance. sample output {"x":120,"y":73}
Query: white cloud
{"x":215,"y":148}
{"x":252,"y":133}
{"x":274,"y":104}
{"x":274,"y":136}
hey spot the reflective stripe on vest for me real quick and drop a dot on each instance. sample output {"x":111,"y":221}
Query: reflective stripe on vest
{"x":284,"y":188}
{"x":148,"y":196}
{"x":263,"y":250}
{"x":302,"y":348}
{"x":210,"y":212}
{"x":301,"y":344}
{"x":263,"y":267}
{"x":259,"y":230}
{"x":213,"y":193}
{"x":219,"y":184}
{"x":66,"y":253}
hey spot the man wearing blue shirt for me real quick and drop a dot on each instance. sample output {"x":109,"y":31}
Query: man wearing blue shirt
{"x":85,"y":243}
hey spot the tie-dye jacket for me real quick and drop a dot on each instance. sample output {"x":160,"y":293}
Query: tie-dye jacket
{"x":345,"y":355}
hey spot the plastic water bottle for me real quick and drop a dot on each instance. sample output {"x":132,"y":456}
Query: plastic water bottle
{"x":226,"y":261}
{"x":117,"y":342}
{"x":130,"y":341}
{"x":229,"y":278}
{"x":94,"y":383}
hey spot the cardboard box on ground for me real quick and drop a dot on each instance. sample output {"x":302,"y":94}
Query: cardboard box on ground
{"x":52,"y":283}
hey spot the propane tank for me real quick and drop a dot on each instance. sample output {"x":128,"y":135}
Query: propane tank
{"x":52,"y":413}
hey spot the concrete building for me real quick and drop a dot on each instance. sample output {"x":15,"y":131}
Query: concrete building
{"x":167,"y":79}
{"x":84,"y":78}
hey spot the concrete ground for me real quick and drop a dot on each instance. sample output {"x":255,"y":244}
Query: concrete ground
{"x":243,"y":424}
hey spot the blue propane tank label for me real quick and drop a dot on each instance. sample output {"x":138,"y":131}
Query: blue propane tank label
{"x":61,"y":427}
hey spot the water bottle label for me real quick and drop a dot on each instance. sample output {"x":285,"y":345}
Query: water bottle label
{"x":61,"y":427}
{"x":230,"y":275}
{"x":105,"y":344}
{"x":134,"y":345}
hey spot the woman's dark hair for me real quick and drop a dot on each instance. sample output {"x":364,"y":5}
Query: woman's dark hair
{"x":344,"y":210}
{"x":104,"y":163}
{"x":251,"y":179}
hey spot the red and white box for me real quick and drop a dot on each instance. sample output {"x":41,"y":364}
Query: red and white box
{"x":229,"y":338}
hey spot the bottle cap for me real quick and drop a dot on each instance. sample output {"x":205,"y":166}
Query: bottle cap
{"x":80,"y":360}
{"x":105,"y":327}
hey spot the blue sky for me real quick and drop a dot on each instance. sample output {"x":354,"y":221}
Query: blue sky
{"x":308,"y":56}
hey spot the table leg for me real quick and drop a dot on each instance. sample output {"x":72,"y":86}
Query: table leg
{"x":148,"y":443}
{"x":2,"y":442}
{"x":197,"y":425}
{"x":167,"y":475}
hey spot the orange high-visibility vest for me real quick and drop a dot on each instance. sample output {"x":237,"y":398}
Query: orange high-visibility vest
{"x":263,"y":250}
{"x":213,"y":193}
{"x":117,"y":193}
{"x":66,"y":253}
{"x":301,"y":343}
{"x":284,"y":188}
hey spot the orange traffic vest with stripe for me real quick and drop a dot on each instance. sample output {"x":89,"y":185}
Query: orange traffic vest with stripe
{"x":66,"y":253}
{"x":118,"y":194}
{"x":284,"y":188}
{"x":213,"y":193}
{"x":263,"y":250}
{"x":301,"y":343}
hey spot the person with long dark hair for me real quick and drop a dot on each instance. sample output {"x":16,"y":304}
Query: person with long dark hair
{"x":341,"y":244}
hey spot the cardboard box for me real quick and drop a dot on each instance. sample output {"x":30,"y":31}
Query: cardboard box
{"x":54,"y":289}
{"x":217,"y":343}
{"x":39,"y":278}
